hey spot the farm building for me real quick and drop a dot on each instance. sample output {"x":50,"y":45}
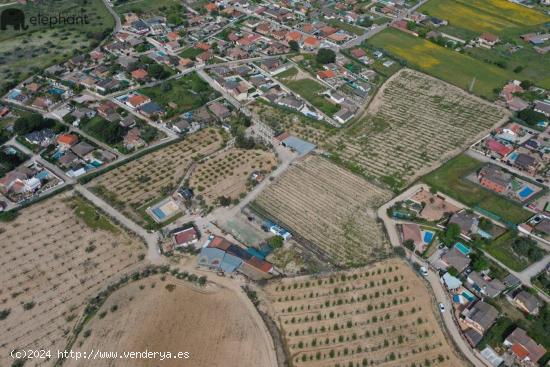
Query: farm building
{"x":302,"y":147}
{"x":221,"y":255}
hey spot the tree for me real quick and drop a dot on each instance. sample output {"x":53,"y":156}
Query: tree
{"x":526,"y":84}
{"x":294,"y":46}
{"x":325,"y":56}
{"x":530,"y":116}
{"x":451,"y":235}
{"x":276,"y":241}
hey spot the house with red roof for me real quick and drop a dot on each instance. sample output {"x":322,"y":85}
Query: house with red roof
{"x":525,"y":350}
{"x":65,"y":141}
{"x":325,"y":74}
{"x":310,"y":43}
{"x":185,"y":237}
{"x":488,"y":40}
{"x":140,"y":74}
{"x":497,"y":147}
{"x":137,"y":100}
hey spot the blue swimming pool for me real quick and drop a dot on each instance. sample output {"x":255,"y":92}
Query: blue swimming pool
{"x":513,"y":156}
{"x":469,"y":296}
{"x":14,"y":93}
{"x":58,"y":154}
{"x":463,"y":248}
{"x":159,"y":213}
{"x":428,"y":236}
{"x":56,"y":91}
{"x":525,"y":192}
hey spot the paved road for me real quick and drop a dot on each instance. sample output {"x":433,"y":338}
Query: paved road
{"x":118,"y":25}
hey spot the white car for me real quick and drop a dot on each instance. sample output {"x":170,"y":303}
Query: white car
{"x":441,"y":307}
{"x":424,"y":271}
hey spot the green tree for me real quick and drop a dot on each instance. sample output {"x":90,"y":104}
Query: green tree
{"x":294,"y":46}
{"x":325,"y":56}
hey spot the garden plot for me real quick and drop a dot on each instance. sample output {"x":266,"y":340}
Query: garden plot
{"x":56,"y":255}
{"x":228,"y":174}
{"x":327,"y":209}
{"x":381,"y":315}
{"x":215,"y":327}
{"x":413,"y":124}
{"x":133,"y":187}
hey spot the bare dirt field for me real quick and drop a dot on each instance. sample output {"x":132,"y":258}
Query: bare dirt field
{"x":381,"y":315}
{"x":327,"y":209}
{"x":414,"y":123}
{"x":55,"y":256}
{"x":215,"y":327}
{"x":146,"y":180}
{"x":228,"y":173}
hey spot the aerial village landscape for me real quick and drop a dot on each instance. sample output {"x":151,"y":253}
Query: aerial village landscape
{"x":275,"y":183}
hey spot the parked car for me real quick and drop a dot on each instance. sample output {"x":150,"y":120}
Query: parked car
{"x":441,"y":307}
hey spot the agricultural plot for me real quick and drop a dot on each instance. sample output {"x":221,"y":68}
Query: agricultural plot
{"x":297,"y":124}
{"x":179,"y":318}
{"x":39,"y":47}
{"x":228,"y":174}
{"x":327,"y":209}
{"x":500,"y":17}
{"x":459,"y":69}
{"x":381,"y":315}
{"x":413,"y":123}
{"x":148,"y":8}
{"x":148,"y":179}
{"x":55,"y":256}
{"x":312,"y":91}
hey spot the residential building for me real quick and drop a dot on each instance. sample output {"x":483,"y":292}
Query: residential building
{"x":524,"y":349}
{"x":527,"y":302}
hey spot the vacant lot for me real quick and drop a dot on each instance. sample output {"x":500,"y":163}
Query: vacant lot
{"x":281,"y":119}
{"x":216,"y":328}
{"x":450,"y":180}
{"x":228,"y":173}
{"x":461,"y":70}
{"x":148,"y":179}
{"x":381,"y":315}
{"x":181,"y":95}
{"x":517,"y":253}
{"x":500,"y":17}
{"x":328,"y":209}
{"x":413,"y":123}
{"x":40,"y":47}
{"x":312,"y":91}
{"x":56,"y":255}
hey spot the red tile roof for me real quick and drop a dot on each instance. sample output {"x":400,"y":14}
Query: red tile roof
{"x":497,"y":147}
{"x":520,"y":351}
{"x":186,"y":236}
{"x":260,"y":264}
{"x":326,"y":74}
{"x":68,"y":139}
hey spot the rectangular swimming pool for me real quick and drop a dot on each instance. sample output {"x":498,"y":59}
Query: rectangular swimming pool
{"x":463,"y":248}
{"x":526,"y":192}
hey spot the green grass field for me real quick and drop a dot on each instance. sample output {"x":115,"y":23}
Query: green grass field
{"x":93,"y":219}
{"x":146,"y":7}
{"x":23,"y":53}
{"x":449,"y":180}
{"x":443,"y":63}
{"x":501,"y":249}
{"x":309,"y":89}
{"x":188,"y":93}
{"x":500,"y":17}
{"x":469,"y":18}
